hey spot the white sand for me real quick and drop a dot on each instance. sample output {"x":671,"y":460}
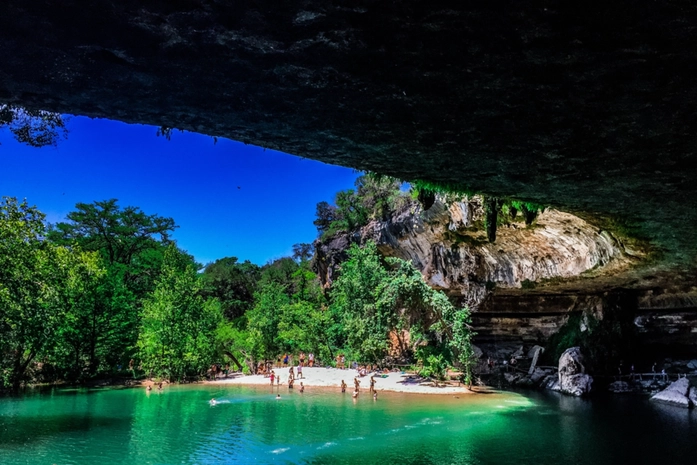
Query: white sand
{"x":331,"y":377}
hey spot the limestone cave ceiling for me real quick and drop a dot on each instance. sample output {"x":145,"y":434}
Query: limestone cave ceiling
{"x":588,"y":106}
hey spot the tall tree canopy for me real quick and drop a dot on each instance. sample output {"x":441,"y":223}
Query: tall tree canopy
{"x":232,"y":283}
{"x":40,"y":284}
{"x":121,"y":234}
{"x":177,"y":336}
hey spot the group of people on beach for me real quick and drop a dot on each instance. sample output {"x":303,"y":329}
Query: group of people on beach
{"x":357,"y":387}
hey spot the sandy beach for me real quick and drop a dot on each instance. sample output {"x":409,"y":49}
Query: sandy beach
{"x":331,"y":377}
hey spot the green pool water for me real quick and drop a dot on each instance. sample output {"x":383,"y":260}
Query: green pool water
{"x":178,"y":426}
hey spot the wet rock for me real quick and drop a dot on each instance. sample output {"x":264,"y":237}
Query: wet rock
{"x":676,"y":394}
{"x":533,"y":349}
{"x":518,"y":353}
{"x":511,"y":378}
{"x":692,"y":364}
{"x":619,"y":387}
{"x":573,"y":379}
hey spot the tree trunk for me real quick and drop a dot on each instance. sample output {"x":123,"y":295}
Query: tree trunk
{"x":234,"y":360}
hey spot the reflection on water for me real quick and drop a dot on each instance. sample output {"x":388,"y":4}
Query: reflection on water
{"x":249,"y":425}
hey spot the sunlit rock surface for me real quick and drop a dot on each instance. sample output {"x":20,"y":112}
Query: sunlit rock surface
{"x":573,"y":379}
{"x":448,"y":243}
{"x":676,"y":394}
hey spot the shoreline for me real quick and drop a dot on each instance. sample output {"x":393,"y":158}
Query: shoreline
{"x":331,"y":378}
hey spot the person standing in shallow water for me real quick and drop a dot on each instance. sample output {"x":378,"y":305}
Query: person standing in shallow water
{"x":356,"y":383}
{"x":272,"y":376}
{"x":343,"y":386}
{"x":372,"y":383}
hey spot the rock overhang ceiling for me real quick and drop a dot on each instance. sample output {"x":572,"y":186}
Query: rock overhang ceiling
{"x":590,"y":107}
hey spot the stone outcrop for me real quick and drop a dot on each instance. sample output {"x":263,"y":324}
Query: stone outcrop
{"x":448,"y":243}
{"x":591,"y":109}
{"x":573,"y":379}
{"x":677,"y":394}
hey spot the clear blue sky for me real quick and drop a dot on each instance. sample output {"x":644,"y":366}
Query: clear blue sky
{"x":187,"y":178}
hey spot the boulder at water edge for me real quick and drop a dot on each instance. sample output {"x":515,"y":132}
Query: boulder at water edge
{"x":676,"y":394}
{"x":619,"y":387}
{"x":573,"y":379}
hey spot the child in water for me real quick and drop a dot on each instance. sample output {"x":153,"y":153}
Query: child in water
{"x":302,"y":388}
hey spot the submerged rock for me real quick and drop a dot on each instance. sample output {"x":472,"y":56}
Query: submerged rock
{"x":678,"y":394}
{"x":573,"y":379}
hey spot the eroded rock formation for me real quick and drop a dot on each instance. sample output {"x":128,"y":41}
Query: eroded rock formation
{"x":448,"y":243}
{"x":573,"y":379}
{"x":588,"y":107}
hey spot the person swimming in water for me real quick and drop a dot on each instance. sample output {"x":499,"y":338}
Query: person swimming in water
{"x":213,"y":401}
{"x":278,"y":397}
{"x":355,"y":393}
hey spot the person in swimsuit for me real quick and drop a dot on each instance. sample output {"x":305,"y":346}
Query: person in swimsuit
{"x":300,"y":370}
{"x":343,"y":386}
{"x":355,"y":393}
{"x":375,"y":395}
{"x":273,"y":376}
{"x":302,"y":358}
{"x":302,"y":388}
{"x":356,"y":383}
{"x":372,"y":383}
{"x":311,"y":359}
{"x":290,"y":383}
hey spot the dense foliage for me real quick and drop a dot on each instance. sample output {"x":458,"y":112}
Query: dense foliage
{"x":109,"y":293}
{"x":373,"y":198}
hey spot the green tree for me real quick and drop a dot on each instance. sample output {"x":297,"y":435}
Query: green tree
{"x":325,"y":215}
{"x":264,"y":318}
{"x":233,"y":284}
{"x":132,"y":246}
{"x":375,"y":298}
{"x":120,"y":234}
{"x":280,"y":271}
{"x":38,"y":284}
{"x":177,"y":335}
{"x":302,"y":252}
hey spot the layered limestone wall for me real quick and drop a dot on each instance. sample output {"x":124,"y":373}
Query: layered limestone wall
{"x":448,"y":244}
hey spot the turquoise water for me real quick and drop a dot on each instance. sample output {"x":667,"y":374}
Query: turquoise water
{"x":178,"y":426}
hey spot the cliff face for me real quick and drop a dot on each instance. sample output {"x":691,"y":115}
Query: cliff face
{"x":448,"y":243}
{"x":590,"y":108}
